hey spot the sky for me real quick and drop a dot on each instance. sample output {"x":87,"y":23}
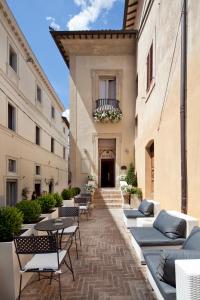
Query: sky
{"x":35,"y":16}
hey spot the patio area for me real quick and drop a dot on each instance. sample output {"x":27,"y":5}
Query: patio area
{"x":107,"y":267}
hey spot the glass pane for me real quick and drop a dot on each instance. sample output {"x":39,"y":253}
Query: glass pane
{"x":112,"y":89}
{"x":102,"y":89}
{"x":11,"y":192}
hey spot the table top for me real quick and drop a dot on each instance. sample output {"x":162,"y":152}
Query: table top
{"x":54,"y":224}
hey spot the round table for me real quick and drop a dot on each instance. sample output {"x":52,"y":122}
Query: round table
{"x":55,"y":226}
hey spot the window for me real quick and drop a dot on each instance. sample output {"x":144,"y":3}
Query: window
{"x":37,"y":170}
{"x":63,"y":129}
{"x":64,"y":152}
{"x":12,"y":166}
{"x":107,"y":88}
{"x":150,"y":67}
{"x":11,"y":117}
{"x":52,"y":145}
{"x":37,"y":135}
{"x":136,"y":86}
{"x":11,"y":192}
{"x":52,"y":112}
{"x":13,"y":59}
{"x":39,"y":94}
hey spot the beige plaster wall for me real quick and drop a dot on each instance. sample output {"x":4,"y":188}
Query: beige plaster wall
{"x":84,"y":131}
{"x":159,"y":112}
{"x":20,"y":90}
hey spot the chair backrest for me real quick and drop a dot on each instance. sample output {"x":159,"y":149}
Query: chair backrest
{"x":36,"y":244}
{"x":71,"y":211}
{"x":156,"y":207}
{"x":81,"y":200}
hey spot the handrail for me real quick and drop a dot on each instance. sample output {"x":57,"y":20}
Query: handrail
{"x":104,"y":103}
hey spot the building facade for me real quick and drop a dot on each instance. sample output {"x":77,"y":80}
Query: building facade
{"x":33,"y":133}
{"x":150,"y":130}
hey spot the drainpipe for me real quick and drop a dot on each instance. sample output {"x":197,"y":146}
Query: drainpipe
{"x":183,"y":108}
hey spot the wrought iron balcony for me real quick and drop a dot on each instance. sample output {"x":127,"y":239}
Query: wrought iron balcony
{"x":107,"y":110}
{"x":107,"y":104}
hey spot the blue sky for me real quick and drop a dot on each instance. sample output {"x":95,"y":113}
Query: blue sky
{"x":34,"y":17}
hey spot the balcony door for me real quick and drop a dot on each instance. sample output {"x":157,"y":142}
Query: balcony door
{"x":107,"y":88}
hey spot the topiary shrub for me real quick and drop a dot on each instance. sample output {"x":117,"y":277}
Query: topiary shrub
{"x":47,"y":202}
{"x":11,"y":220}
{"x":66,"y":194}
{"x":30,"y":209}
{"x":131,"y":178}
{"x":58,"y":199}
{"x":75,"y":191}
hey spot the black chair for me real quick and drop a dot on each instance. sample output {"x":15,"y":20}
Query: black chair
{"x":74,"y":212}
{"x":47,"y":257}
{"x":83,"y":202}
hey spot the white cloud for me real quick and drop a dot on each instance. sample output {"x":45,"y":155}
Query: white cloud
{"x":90,"y":11}
{"x":53,"y":23}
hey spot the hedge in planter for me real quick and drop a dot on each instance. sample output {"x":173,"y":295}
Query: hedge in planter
{"x":75,"y":191}
{"x":47,"y":203}
{"x":30,"y":209}
{"x":58,"y":199}
{"x":66,"y":194}
{"x":11,"y":220}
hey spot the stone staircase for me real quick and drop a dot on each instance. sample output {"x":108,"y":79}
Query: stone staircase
{"x":107,"y":198}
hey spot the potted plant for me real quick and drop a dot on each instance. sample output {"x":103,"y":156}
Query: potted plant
{"x":136,"y":197}
{"x":91,"y":179}
{"x":31,"y":211}
{"x":58,"y":200}
{"x":11,"y":220}
{"x":126,"y":192}
{"x":67,"y":197}
{"x":131,"y":177}
{"x":47,"y":203}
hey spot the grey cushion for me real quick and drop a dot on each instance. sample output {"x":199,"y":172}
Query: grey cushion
{"x":152,"y":260}
{"x":166,"y":268}
{"x":193,"y":240}
{"x":146,"y":208}
{"x":150,"y":236}
{"x":133,"y":214}
{"x":171,"y":226}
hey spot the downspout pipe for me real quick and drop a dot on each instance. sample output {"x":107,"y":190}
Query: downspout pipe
{"x":183,"y":110}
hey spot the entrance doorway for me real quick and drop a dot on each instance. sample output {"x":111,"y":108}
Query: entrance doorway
{"x":38,"y":189}
{"x":51,"y":187}
{"x":11,"y":192}
{"x":107,"y":173}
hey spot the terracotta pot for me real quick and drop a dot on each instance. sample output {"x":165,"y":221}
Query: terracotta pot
{"x":135,"y":201}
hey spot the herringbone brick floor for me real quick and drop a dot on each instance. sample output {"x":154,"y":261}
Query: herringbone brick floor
{"x":107,"y":268}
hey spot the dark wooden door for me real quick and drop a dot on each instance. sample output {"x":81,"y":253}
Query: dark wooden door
{"x":107,"y":173}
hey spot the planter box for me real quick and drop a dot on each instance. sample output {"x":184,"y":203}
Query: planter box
{"x":135,"y":201}
{"x":92,"y":182}
{"x":68,"y":202}
{"x":9,"y":270}
{"x":51,"y":215}
{"x":126,"y":197}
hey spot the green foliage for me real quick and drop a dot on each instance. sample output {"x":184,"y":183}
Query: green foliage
{"x":31,"y":210}
{"x":66,"y":194}
{"x":47,"y":202}
{"x":136,"y":191}
{"x":75,"y":191}
{"x":131,"y":178}
{"x":58,"y":199}
{"x":11,"y":220}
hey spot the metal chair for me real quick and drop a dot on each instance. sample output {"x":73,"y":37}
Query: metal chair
{"x":47,"y":257}
{"x":83,"y":203}
{"x":74,"y":212}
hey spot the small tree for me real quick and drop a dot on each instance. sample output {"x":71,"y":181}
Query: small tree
{"x":131,"y":177}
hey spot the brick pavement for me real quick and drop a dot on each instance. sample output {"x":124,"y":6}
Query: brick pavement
{"x":107,"y":268}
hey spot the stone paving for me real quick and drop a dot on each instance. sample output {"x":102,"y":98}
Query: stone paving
{"x":107,"y":268}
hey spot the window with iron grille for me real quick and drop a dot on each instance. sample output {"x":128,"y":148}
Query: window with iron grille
{"x":64,"y":152}
{"x":52,"y":145}
{"x":37,"y":170}
{"x":150,"y":67}
{"x":52,"y":112}
{"x":37,"y":135}
{"x":12,"y":166}
{"x":39,"y":94}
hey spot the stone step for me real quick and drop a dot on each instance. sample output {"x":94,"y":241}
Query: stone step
{"x":107,"y":198}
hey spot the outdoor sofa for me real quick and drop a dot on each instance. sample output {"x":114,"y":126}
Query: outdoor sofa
{"x":165,"y":272}
{"x":168,"y":230}
{"x":147,"y":208}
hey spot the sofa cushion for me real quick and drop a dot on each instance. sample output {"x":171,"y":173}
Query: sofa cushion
{"x":152,"y":259}
{"x":170,"y":226}
{"x":133,"y":214}
{"x":146,"y":207}
{"x":193,"y":240}
{"x":166,"y":268}
{"x":150,"y":236}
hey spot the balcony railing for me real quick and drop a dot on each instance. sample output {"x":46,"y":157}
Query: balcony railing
{"x":105,"y":104}
{"x":107,"y":110}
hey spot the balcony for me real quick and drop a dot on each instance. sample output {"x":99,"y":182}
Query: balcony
{"x":107,"y":110}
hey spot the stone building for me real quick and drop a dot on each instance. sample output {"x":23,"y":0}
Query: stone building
{"x":33,"y":134}
{"x":139,"y":65}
